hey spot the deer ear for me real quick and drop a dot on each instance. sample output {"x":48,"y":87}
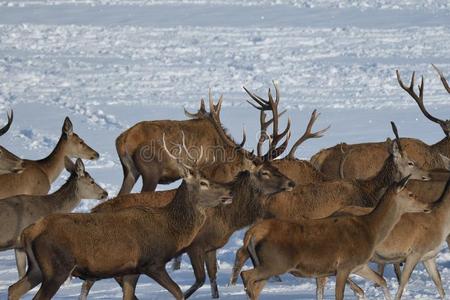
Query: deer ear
{"x":79,"y":167}
{"x":69,"y":165}
{"x":394,"y":150}
{"x":402,"y":184}
{"x":67,"y":127}
{"x":446,"y":161}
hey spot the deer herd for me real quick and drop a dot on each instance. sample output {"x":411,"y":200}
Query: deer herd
{"x":350,"y":205}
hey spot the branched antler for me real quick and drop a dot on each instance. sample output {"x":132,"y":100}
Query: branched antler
{"x":274,"y":139}
{"x":419,"y":99}
{"x":308,"y":134}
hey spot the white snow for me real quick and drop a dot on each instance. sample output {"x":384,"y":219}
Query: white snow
{"x":111,"y":63}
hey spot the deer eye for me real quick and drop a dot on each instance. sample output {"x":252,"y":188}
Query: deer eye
{"x":411,"y":164}
{"x":410,"y":194}
{"x":265,"y":173}
{"x":203,"y":183}
{"x":92,"y":182}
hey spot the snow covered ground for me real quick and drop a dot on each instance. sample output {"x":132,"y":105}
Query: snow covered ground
{"x":110,"y":63}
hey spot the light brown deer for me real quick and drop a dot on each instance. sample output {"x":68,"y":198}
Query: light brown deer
{"x":361,"y":161}
{"x":81,"y":244}
{"x":319,"y":200}
{"x":333,"y":246}
{"x":416,"y":237}
{"x":9,"y":163}
{"x":38,"y":175}
{"x":142,"y":142}
{"x":18,"y":212}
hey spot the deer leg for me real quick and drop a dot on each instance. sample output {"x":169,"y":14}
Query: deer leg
{"x":341,"y":278}
{"x":176,"y":263}
{"x":359,"y":292}
{"x":367,"y":273}
{"x":197,"y":257}
{"x":31,"y":279}
{"x":211,"y":268}
{"x":398,"y":271}
{"x":50,"y":286}
{"x":21,"y":262}
{"x":85,"y":289}
{"x":320,"y":287}
{"x":254,"y":281}
{"x":241,"y":256}
{"x":128,"y":284}
{"x":410,"y":264}
{"x":430,"y":266}
{"x":160,"y":276}
{"x":130,"y":176}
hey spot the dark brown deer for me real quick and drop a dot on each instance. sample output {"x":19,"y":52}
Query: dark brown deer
{"x":95,"y":246}
{"x":334,"y":246}
{"x":38,"y":175}
{"x":9,"y":163}
{"x":249,"y":189}
{"x":361,"y":161}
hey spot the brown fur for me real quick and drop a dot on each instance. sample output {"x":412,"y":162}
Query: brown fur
{"x":126,"y":242}
{"x":316,"y":248}
{"x":140,"y":150}
{"x":38,"y":175}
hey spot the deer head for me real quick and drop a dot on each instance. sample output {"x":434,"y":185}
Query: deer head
{"x":86,"y":186}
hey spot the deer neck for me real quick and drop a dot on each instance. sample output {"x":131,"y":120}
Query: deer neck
{"x":383,"y":218}
{"x":66,"y":198}
{"x":183,"y":211}
{"x":443,"y":146}
{"x":53,"y":164}
{"x":246,"y":207}
{"x":375,"y":186}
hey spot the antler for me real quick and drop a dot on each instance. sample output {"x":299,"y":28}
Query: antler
{"x":270,"y":105}
{"x":444,"y":81}
{"x":419,"y":100}
{"x":5,"y":129}
{"x":308,"y":134}
{"x":397,"y":138}
{"x":184,"y":147}
{"x":200,"y":113}
{"x":215,"y":117}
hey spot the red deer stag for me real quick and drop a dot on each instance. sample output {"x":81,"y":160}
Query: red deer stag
{"x":138,"y":148}
{"x":81,"y":244}
{"x":362,"y":161}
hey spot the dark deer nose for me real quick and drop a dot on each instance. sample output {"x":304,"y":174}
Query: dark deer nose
{"x":105,"y":195}
{"x":95,"y":156}
{"x":291,"y":184}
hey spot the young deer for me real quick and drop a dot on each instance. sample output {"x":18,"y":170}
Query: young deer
{"x":331,"y":246}
{"x":95,"y":246}
{"x":18,"y":212}
{"x":38,"y":175}
{"x":9,"y":163}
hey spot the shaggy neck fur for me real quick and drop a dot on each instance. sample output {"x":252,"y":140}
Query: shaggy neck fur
{"x":247,"y":205}
{"x":184,"y":211}
{"x":375,"y":186}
